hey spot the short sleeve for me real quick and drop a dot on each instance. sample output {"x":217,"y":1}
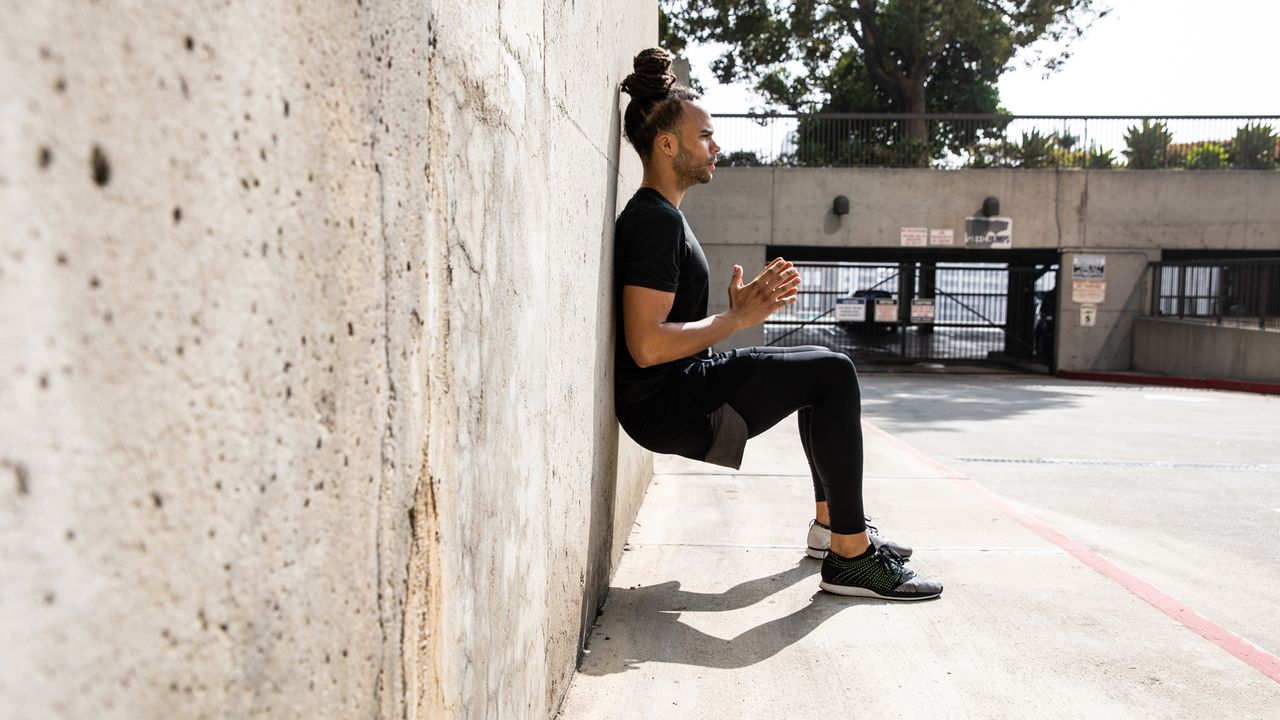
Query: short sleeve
{"x":653,"y":253}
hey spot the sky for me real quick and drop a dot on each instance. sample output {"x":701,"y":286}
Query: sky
{"x":1148,"y":57}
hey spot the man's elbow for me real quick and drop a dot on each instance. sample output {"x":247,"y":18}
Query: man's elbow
{"x":643,"y":357}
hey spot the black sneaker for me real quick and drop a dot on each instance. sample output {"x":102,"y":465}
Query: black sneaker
{"x":877,"y":573}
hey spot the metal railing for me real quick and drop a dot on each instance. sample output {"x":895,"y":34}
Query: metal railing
{"x":1237,"y":293}
{"x":999,"y":141}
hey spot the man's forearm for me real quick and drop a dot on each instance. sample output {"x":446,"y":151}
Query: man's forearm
{"x":673,"y":340}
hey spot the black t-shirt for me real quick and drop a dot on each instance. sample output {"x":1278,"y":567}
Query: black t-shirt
{"x":654,"y":248}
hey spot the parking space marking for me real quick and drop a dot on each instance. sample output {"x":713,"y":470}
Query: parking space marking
{"x":1237,"y":646}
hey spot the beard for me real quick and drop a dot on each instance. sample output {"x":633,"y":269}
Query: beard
{"x":689,"y":171}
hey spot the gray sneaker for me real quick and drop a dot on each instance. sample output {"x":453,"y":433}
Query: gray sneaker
{"x":819,"y":541}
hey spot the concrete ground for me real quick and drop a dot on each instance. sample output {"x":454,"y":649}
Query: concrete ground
{"x":1108,"y":551}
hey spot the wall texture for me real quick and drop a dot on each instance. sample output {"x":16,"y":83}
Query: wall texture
{"x":305,"y":394}
{"x":1129,"y":216}
{"x":1191,"y":349}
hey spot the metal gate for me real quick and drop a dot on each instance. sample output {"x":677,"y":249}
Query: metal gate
{"x":921,"y":310}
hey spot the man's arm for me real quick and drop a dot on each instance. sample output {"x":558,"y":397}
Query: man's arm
{"x":652,"y":341}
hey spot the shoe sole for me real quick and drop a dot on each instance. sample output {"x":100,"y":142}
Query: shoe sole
{"x":851,"y":591}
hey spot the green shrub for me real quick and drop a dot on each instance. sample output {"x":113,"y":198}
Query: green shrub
{"x":1035,"y":150}
{"x":1063,"y":157}
{"x":1254,"y":147}
{"x":1209,"y":156}
{"x":741,"y":158}
{"x":1099,"y":159}
{"x":1147,"y":145}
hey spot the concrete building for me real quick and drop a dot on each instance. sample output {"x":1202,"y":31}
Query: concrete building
{"x":1130,"y":217}
{"x":305,"y":394}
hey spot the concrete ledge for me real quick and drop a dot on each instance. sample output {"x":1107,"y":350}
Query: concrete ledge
{"x":1190,"y":349}
{"x":1172,"y":381}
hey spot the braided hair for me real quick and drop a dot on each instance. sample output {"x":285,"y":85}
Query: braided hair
{"x":656,"y":100}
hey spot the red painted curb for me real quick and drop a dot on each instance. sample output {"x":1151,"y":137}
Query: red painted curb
{"x":1240,"y":648}
{"x":1248,"y":386}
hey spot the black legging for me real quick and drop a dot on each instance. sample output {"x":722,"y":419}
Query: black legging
{"x":823,"y":386}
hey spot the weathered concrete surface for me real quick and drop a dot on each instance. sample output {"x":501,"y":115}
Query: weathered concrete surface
{"x":1191,"y":349}
{"x":1129,"y":216}
{"x":304,"y":354}
{"x":716,"y":612}
{"x":1065,"y":209}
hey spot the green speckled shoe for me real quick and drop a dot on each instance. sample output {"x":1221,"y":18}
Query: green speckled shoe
{"x":876,"y":573}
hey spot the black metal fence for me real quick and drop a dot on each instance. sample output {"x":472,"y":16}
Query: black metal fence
{"x":912,"y":311}
{"x":1239,"y":293}
{"x":995,"y":141}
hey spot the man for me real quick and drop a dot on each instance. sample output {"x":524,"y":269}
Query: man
{"x":675,"y":396}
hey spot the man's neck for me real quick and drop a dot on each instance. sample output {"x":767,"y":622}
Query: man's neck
{"x":668,"y":186}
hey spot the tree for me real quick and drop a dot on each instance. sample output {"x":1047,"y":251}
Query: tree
{"x":896,"y":56}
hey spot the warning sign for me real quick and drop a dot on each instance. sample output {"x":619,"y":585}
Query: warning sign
{"x":886,"y":310}
{"x":851,"y":309}
{"x":942,"y":237}
{"x":914,"y":237}
{"x":1088,"y":278}
{"x":922,"y":311}
{"x":1088,"y":291}
{"x":994,"y":233}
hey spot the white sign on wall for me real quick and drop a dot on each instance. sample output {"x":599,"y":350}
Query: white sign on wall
{"x":994,"y":233}
{"x":1088,"y":315}
{"x":914,"y":236}
{"x":945,"y":236}
{"x":1088,"y":279}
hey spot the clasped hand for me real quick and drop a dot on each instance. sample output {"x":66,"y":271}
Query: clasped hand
{"x":776,"y":286}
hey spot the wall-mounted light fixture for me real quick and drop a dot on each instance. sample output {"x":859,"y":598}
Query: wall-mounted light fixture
{"x":840,"y":206}
{"x":991,"y":206}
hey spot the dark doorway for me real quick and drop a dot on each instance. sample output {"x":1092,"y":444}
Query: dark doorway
{"x":965,"y":306}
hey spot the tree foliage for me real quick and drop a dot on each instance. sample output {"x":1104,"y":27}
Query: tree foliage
{"x":899,"y":56}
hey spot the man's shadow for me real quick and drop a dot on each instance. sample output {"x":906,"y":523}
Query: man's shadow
{"x":642,"y":624}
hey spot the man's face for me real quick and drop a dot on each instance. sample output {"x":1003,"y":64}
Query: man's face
{"x":695,"y":159}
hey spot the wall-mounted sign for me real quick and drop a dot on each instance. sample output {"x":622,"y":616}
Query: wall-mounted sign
{"x":886,"y":310}
{"x":994,"y":233}
{"x":914,"y":236}
{"x":851,"y":309}
{"x":1088,"y":279}
{"x":922,"y":311}
{"x":942,"y":237}
{"x":1088,"y":315}
{"x":1089,"y":267}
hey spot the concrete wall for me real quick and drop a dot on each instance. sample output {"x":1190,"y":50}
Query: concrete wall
{"x":1191,"y":349}
{"x":1130,"y":216}
{"x":305,"y":357}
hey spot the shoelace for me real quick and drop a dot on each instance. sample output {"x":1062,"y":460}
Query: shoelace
{"x":892,"y":562}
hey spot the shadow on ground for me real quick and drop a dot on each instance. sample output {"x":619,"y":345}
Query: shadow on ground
{"x":962,"y":400}
{"x":642,"y":624}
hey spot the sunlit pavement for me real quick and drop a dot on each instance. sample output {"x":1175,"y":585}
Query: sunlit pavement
{"x":1108,"y":551}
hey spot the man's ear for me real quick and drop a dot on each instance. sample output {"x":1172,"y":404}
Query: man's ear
{"x":666,"y":144}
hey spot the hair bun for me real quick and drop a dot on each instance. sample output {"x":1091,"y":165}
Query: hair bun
{"x":652,"y":77}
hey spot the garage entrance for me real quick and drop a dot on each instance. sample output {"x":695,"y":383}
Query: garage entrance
{"x":910,"y":306}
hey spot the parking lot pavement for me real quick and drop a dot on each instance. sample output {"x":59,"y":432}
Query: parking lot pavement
{"x":1108,"y":551}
